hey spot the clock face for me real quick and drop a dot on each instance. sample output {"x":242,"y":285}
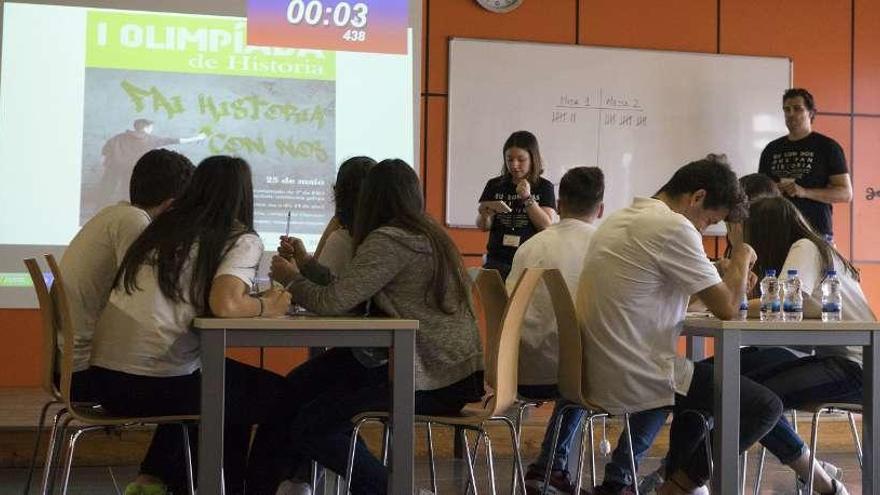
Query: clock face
{"x":500,"y":6}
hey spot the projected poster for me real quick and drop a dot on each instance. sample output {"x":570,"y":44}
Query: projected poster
{"x":84,"y":91}
{"x":175,"y":82}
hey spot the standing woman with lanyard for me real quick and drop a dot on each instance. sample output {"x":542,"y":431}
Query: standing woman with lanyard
{"x":517,"y":204}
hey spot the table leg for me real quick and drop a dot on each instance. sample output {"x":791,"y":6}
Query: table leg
{"x":213,"y":350}
{"x":871,"y":415}
{"x":695,"y":348}
{"x":725,"y":445}
{"x":402,"y":413}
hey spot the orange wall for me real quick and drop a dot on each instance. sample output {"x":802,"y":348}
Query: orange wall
{"x":833,"y":44}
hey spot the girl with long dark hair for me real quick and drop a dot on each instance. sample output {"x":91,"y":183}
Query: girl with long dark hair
{"x":518,"y":203}
{"x":405,"y":266}
{"x":199,"y":258}
{"x":335,"y":248}
{"x":783,"y":240}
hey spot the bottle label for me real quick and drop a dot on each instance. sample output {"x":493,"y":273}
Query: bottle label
{"x":831,"y":307}
{"x":773,"y":307}
{"x":790,"y":307}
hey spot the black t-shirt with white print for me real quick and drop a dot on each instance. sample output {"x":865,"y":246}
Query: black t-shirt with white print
{"x":510,"y":230}
{"x":810,"y":162}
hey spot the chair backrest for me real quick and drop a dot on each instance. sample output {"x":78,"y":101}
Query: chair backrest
{"x":64,"y":323}
{"x":493,"y":300}
{"x":50,"y":337}
{"x":507,"y":357}
{"x":570,"y":338}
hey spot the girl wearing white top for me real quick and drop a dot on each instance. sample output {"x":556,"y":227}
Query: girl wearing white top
{"x":199,"y":258}
{"x":335,"y":249}
{"x":783,"y":240}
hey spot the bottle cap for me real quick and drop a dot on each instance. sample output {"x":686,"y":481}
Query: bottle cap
{"x":770,"y":273}
{"x":792,"y":272}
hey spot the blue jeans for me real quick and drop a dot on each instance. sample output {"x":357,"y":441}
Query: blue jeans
{"x":647,"y":424}
{"x":808,"y":380}
{"x":570,"y":421}
{"x":760,"y":410}
{"x":644,"y":427}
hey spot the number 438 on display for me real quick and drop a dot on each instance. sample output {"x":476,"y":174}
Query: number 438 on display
{"x":354,"y":35}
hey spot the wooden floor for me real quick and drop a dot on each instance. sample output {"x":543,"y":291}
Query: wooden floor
{"x":451,"y":476}
{"x":102,"y":457}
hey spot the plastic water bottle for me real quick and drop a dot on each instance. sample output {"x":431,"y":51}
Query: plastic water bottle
{"x":792,"y":299}
{"x":744,"y":306}
{"x":831,"y":299}
{"x":771,"y":304}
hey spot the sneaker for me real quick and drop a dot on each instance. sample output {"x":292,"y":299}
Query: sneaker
{"x":604,"y":489}
{"x":833,"y":471}
{"x":146,"y":489}
{"x":560,"y":483}
{"x":839,"y":489}
{"x":293,"y":487}
{"x":651,"y":482}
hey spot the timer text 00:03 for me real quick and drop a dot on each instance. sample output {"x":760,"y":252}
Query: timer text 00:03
{"x":314,"y":13}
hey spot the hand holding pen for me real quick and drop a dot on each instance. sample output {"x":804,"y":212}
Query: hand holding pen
{"x":293,"y":249}
{"x":283,"y":271}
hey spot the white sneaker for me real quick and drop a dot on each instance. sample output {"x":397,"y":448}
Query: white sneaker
{"x":839,"y":489}
{"x":833,"y":471}
{"x":294,"y":487}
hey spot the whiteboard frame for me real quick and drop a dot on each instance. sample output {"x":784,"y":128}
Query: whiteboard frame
{"x":713,"y":230}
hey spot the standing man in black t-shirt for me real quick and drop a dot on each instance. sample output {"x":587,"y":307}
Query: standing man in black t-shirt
{"x":517,"y":204}
{"x":810,"y":167}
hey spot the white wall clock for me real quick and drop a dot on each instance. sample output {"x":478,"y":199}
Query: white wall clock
{"x":500,"y":6}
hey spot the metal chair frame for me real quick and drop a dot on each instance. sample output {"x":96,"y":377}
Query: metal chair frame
{"x":89,"y":417}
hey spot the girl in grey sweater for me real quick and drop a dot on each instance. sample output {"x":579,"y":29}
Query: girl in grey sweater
{"x":405,"y":266}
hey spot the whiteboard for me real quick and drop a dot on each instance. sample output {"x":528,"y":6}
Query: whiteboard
{"x":637,"y":114}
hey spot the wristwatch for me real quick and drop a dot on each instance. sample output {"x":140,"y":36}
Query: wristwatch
{"x":528,"y":201}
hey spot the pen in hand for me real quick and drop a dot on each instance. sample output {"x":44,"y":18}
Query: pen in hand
{"x":287,"y":229}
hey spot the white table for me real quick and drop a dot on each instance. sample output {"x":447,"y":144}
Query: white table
{"x":306,"y":331}
{"x":730,"y":335}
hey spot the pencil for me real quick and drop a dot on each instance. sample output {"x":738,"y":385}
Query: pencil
{"x":287,"y":229}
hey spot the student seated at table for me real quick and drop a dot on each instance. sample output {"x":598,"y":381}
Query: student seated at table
{"x":333,"y":253}
{"x":405,"y":266}
{"x":783,"y":240}
{"x":644,"y":263}
{"x":757,"y":186}
{"x":198,"y":258}
{"x":561,"y":246}
{"x":334,"y":250}
{"x":91,"y":259}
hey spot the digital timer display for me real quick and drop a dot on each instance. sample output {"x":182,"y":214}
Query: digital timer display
{"x":378,"y":26}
